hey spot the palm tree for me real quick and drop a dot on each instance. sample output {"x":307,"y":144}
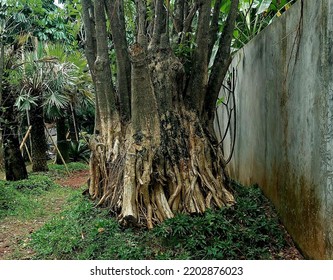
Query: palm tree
{"x":50,"y":81}
{"x":75,"y":83}
{"x":34,"y":81}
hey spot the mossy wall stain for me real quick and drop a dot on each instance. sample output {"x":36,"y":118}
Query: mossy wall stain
{"x":286,"y":147}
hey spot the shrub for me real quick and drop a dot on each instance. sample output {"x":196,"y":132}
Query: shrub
{"x":248,"y":230}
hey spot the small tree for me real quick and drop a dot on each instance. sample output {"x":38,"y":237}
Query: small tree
{"x":47,"y":85}
{"x":154,"y":152}
{"x":18,"y":21}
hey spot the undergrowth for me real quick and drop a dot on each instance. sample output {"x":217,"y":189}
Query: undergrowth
{"x":60,"y":169}
{"x":248,"y":230}
{"x":20,"y":198}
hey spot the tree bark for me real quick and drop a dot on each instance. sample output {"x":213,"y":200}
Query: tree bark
{"x":104,"y":86}
{"x":38,"y":139}
{"x":115,"y":11}
{"x":90,"y":48}
{"x":15,"y":168}
{"x":2,"y":65}
{"x":162,"y":161}
{"x":220,"y":67}
{"x":199,"y":70}
{"x":62,"y":143}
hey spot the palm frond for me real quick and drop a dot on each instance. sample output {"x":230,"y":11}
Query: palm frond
{"x":25,"y":101}
{"x":55,"y":98}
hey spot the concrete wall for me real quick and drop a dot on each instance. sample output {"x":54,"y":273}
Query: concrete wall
{"x":284,"y":135}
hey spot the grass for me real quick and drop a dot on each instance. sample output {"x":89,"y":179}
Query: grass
{"x":25,"y":206}
{"x":72,"y":166}
{"x":25,"y":198}
{"x":249,"y":230}
{"x":71,"y":227}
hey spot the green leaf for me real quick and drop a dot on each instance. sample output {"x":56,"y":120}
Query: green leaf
{"x":25,"y":101}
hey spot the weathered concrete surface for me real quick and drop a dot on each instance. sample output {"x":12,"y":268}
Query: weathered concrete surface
{"x":284,"y":142}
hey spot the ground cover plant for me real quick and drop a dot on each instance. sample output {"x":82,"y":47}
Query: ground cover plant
{"x":48,"y":217}
{"x":248,"y":230}
{"x":20,"y":198}
{"x":27,"y":204}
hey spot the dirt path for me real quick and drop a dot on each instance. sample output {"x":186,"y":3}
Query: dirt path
{"x":15,"y":233}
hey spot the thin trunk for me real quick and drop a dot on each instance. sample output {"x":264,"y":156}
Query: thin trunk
{"x":62,"y":143}
{"x":159,"y":24}
{"x":142,"y":23}
{"x":178,"y":17}
{"x":104,"y":87}
{"x":199,"y":74}
{"x":38,"y":139}
{"x":15,"y":168}
{"x":74,"y":130}
{"x":220,"y":66}
{"x":14,"y":164}
{"x":115,"y":11}
{"x":189,"y":13}
{"x":214,"y":27}
{"x":2,"y":65}
{"x":88,"y":17}
{"x":90,"y":48}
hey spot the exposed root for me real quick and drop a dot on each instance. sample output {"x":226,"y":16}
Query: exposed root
{"x":149,"y":179}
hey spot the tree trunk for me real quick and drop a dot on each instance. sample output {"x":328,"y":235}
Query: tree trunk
{"x":62,"y":142}
{"x":15,"y":168}
{"x":2,"y":65}
{"x":38,"y":139}
{"x":164,"y":160}
{"x":72,"y":122}
{"x":2,"y":160}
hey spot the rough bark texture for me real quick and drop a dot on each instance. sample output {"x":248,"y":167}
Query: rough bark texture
{"x":2,"y":161}
{"x":2,"y":65}
{"x":90,"y":46}
{"x":220,"y":66}
{"x":14,"y":164}
{"x":161,"y":160}
{"x":115,"y":10}
{"x":15,"y":168}
{"x":38,"y":139}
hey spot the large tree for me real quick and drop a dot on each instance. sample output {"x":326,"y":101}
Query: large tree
{"x":154,"y":151}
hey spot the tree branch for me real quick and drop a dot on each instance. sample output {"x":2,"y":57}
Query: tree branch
{"x":159,"y":23}
{"x":199,"y":75}
{"x":142,"y":28}
{"x":178,"y":16}
{"x":90,"y":34}
{"x":189,"y":14}
{"x":115,"y":12}
{"x":104,"y":86}
{"x":214,"y":26}
{"x":221,"y":64}
{"x":90,"y":48}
